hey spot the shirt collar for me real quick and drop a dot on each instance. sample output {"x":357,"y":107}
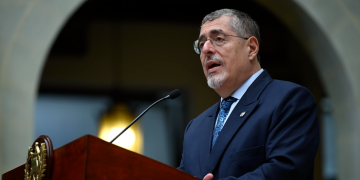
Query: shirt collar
{"x":242,"y":89}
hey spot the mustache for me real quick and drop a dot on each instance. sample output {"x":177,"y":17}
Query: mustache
{"x":215,"y":58}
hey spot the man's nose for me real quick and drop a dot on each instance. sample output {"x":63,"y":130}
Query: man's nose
{"x":208,"y":47}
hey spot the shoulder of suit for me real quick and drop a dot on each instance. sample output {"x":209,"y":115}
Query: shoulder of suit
{"x":281,"y":88}
{"x":284,"y":84}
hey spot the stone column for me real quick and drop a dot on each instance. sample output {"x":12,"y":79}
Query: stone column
{"x":27,"y":31}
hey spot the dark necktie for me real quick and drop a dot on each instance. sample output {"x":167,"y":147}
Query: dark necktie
{"x":224,"y":111}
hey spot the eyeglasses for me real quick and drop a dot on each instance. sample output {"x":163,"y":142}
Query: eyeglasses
{"x":217,"y":41}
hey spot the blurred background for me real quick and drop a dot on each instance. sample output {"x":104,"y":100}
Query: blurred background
{"x":72,"y":67}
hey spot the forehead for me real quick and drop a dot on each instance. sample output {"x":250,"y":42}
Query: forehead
{"x":221,"y":23}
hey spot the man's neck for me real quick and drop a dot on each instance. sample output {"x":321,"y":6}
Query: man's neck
{"x":228,"y":89}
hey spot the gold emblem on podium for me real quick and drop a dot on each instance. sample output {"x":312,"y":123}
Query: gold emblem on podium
{"x":35,"y":166}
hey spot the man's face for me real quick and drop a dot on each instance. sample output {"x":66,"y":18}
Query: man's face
{"x":227,"y":65}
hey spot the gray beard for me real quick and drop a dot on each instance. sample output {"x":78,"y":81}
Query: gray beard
{"x":215,"y":81}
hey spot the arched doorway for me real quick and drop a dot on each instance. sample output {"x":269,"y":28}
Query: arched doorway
{"x":136,"y":52}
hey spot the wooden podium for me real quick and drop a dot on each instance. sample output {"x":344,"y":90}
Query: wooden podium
{"x":90,"y":158}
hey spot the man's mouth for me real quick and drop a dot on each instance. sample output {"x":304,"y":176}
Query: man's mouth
{"x":212,"y":65}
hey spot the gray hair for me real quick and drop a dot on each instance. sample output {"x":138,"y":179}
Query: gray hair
{"x":241,"y":23}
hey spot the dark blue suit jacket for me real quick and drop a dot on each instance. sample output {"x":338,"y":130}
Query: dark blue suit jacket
{"x":276,"y":139}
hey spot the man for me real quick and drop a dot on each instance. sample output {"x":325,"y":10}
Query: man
{"x":262,"y":128}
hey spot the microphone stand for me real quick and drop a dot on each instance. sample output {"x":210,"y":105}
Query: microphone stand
{"x":134,"y":121}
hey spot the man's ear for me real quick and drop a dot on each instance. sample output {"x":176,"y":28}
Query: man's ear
{"x":253,"y":45}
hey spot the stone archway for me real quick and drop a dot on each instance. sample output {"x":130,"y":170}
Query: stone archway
{"x":330,"y":32}
{"x":28,"y":28}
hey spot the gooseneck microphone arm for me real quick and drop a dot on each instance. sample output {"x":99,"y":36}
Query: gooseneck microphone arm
{"x":174,"y":94}
{"x":134,"y":121}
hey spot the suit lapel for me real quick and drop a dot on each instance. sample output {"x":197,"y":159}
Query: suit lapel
{"x":206,"y":136}
{"x":246,"y":104}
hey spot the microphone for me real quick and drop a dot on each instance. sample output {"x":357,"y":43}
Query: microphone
{"x":172,"y":95}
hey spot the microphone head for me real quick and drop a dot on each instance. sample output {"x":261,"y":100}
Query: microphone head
{"x":174,"y":94}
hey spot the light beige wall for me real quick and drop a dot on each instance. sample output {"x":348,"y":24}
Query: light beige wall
{"x":27,"y":30}
{"x":330,"y":31}
{"x":340,"y":22}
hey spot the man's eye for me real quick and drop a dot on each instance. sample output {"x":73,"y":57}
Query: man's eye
{"x":201,"y":44}
{"x":219,"y":39}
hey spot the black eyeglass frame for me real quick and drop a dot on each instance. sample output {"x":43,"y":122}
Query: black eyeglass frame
{"x":196,"y":43}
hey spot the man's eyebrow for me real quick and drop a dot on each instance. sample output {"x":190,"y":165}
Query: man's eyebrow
{"x":201,"y":37}
{"x":217,"y":31}
{"x":212,"y":32}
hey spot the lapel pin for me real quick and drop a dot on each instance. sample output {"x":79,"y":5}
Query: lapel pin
{"x":242,"y":114}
